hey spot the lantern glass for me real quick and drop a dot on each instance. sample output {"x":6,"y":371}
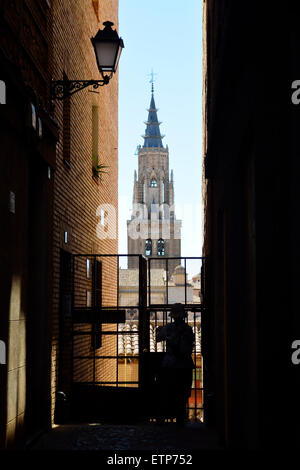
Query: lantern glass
{"x":108,"y":47}
{"x":106,"y":55}
{"x":120,"y":47}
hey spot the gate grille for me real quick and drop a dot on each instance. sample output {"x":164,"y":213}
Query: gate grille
{"x":115,"y":312}
{"x":178,"y":288}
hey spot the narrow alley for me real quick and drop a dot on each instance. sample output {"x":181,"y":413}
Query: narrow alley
{"x":148,"y":276}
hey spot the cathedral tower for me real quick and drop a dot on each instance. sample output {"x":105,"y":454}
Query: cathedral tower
{"x":153,"y":229}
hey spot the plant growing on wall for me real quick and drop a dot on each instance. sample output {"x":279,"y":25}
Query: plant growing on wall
{"x":98,"y":168}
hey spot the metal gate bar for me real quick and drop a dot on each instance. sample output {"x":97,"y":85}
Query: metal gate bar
{"x":100,"y":313}
{"x":197,"y":394}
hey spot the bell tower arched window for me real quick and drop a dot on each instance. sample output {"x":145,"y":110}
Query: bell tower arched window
{"x":153,"y":183}
{"x":148,"y":247}
{"x":161,"y":247}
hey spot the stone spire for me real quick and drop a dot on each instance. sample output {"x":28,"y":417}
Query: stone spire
{"x":152,"y":137}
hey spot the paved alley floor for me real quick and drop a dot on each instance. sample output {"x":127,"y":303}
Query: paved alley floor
{"x":148,"y":436}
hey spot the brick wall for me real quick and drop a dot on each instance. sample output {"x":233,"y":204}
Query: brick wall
{"x":77,"y":193}
{"x":28,"y":150}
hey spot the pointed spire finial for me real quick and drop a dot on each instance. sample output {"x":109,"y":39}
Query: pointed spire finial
{"x":152,"y":136}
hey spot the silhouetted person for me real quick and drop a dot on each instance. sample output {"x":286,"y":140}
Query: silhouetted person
{"x":177,"y":366}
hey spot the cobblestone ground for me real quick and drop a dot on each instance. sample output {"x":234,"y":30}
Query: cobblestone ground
{"x":149,"y":436}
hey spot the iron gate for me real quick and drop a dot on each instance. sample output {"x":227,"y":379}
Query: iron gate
{"x":112,"y":354}
{"x":189,"y":292}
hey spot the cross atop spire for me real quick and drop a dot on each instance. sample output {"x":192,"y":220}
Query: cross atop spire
{"x":152,"y":137}
{"x":152,"y":76}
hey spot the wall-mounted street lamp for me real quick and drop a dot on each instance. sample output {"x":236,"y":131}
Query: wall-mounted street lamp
{"x":108,"y":47}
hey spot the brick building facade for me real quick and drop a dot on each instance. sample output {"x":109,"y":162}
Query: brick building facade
{"x":251,"y":239}
{"x":78,"y":192}
{"x":28,"y":141}
{"x":50,"y":195}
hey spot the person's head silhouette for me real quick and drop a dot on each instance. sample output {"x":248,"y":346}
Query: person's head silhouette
{"x":178,"y":312}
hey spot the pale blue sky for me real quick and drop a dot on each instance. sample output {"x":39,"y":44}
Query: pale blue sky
{"x":165,"y":35}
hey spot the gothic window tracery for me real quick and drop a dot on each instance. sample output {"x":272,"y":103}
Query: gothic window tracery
{"x":148,"y":247}
{"x":161,"y":247}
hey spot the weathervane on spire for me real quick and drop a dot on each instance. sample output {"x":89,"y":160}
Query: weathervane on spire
{"x":152,"y":79}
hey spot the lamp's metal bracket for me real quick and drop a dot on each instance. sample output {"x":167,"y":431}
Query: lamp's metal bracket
{"x":61,"y":89}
